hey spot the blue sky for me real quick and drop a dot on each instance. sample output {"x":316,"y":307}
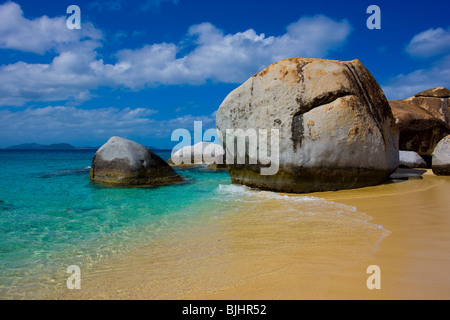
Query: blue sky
{"x":141,"y":69}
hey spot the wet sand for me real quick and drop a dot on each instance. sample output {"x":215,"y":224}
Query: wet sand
{"x":262,"y":250}
{"x":415,"y":258}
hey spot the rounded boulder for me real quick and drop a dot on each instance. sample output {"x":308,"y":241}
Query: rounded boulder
{"x":127,"y":163}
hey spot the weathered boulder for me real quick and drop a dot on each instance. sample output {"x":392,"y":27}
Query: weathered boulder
{"x":411,"y":159}
{"x":336,"y":129}
{"x":435,"y":101}
{"x":441,"y":158}
{"x":420,"y":130}
{"x":127,"y":163}
{"x":202,"y":153}
{"x":423,"y":120}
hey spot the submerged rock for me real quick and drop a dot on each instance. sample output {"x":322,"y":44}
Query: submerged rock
{"x":335,"y":125}
{"x":441,"y":158}
{"x":411,"y":159}
{"x":127,"y":163}
{"x":423,"y":120}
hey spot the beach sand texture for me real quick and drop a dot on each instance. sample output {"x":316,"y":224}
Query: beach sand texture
{"x":261,"y":250}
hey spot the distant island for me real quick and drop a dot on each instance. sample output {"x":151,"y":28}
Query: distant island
{"x":60,"y":146}
{"x":56,"y":146}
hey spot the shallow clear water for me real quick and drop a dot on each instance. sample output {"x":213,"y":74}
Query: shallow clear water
{"x":52,"y":217}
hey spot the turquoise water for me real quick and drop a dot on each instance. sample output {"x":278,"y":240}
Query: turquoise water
{"x":52,"y":216}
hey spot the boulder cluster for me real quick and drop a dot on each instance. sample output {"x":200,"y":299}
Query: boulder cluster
{"x":334,"y":129}
{"x":423,"y":120}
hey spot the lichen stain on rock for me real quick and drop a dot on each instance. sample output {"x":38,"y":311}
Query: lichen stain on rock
{"x":353,"y":132}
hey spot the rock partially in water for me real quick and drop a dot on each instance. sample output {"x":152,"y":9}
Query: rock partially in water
{"x":441,"y":158}
{"x":335,"y":126}
{"x":126,"y":163}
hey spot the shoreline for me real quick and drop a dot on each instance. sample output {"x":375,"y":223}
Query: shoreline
{"x":253,"y":254}
{"x":415,"y":257}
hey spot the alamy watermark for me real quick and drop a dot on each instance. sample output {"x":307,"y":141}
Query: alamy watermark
{"x":242,"y":147}
{"x":374,"y":21}
{"x":74,"y":20}
{"x":74,"y":280}
{"x":374,"y":281}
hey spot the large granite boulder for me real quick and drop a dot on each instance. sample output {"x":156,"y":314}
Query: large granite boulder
{"x":126,"y":163}
{"x":436,"y":101}
{"x":336,"y":129}
{"x":441,"y":158}
{"x":420,"y":130}
{"x":411,"y":159}
{"x":423,"y":120}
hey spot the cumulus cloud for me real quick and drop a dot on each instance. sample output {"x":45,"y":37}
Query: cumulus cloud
{"x":42,"y":34}
{"x":69,"y":76}
{"x":213,"y":56}
{"x":234,"y":57}
{"x":430,"y":43}
{"x":66,"y":124}
{"x":71,"y":123}
{"x":404,"y":86}
{"x":220,"y":57}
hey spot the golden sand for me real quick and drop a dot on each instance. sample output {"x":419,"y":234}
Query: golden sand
{"x":275,"y":248}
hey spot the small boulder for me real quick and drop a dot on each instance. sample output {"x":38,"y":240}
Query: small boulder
{"x":126,"y":163}
{"x":411,"y":159}
{"x":202,"y":153}
{"x":441,"y":158}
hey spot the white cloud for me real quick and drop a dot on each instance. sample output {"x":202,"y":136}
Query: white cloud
{"x":73,"y":124}
{"x":70,"y":76}
{"x":429,"y":43}
{"x":404,"y":86}
{"x":42,"y":34}
{"x":67,"y":124}
{"x":215,"y":56}
{"x":229,"y":58}
{"x":234,"y":57}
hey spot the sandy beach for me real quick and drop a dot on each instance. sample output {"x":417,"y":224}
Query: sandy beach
{"x":415,"y":257}
{"x":224,"y":150}
{"x":401,"y":227}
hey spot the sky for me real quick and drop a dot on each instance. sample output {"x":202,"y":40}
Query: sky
{"x":141,"y":69}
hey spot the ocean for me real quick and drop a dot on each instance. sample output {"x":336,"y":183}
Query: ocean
{"x":52,"y":216}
